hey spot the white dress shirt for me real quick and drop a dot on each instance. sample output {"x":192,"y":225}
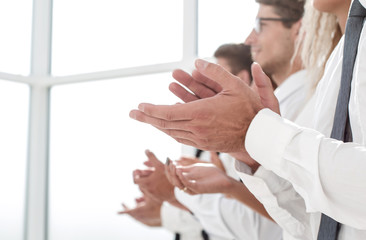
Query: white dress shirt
{"x":179,"y":221}
{"x":292,"y":94}
{"x":225,"y":218}
{"x":277,"y":194}
{"x":328,"y":174}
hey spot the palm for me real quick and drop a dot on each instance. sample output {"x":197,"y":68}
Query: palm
{"x":204,"y":178}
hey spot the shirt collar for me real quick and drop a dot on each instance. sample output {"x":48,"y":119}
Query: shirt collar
{"x":363,"y":2}
{"x":290,"y":85}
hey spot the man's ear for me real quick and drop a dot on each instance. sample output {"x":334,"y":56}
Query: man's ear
{"x":296,"y":28}
{"x":245,"y":76}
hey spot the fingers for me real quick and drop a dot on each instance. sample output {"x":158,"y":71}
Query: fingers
{"x":126,"y":210}
{"x":182,"y":93}
{"x":153,"y":161}
{"x":156,"y":121}
{"x":208,"y":83}
{"x":201,"y":86}
{"x":217,"y":161}
{"x":190,"y":185}
{"x":170,"y":170}
{"x":216,"y":73}
{"x":141,"y":176}
{"x":186,"y":161}
{"x":214,"y":157}
{"x":197,"y":86}
{"x":140,"y":199}
{"x":141,"y":173}
{"x":177,"y":112}
{"x":264,"y":88}
{"x":167,"y":171}
{"x":125,"y":206}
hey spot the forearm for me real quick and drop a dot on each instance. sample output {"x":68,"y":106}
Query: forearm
{"x":241,"y":193}
{"x":179,"y":205}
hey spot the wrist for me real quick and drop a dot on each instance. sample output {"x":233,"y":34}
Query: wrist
{"x":177,"y":204}
{"x":230,"y":187}
{"x":254,"y":166}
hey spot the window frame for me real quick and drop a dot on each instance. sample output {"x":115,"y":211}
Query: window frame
{"x":40,"y":81}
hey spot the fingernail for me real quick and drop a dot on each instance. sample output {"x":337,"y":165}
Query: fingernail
{"x":133,"y":114}
{"x":141,"y":107}
{"x":201,"y":64}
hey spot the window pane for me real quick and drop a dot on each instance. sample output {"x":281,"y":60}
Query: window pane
{"x":14,"y":100}
{"x":15,"y":41}
{"x":91,"y":36}
{"x":94,"y":148}
{"x":223,"y":21}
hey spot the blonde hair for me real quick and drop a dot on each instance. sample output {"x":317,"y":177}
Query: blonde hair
{"x":320,"y":33}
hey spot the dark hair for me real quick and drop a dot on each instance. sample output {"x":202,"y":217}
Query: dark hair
{"x":238,"y":57}
{"x":290,"y":9}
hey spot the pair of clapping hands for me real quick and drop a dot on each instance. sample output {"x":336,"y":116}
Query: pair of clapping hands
{"x":190,"y":174}
{"x":217,"y":112}
{"x":198,"y":177}
{"x":158,"y":181}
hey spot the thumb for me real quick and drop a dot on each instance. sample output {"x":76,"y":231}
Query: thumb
{"x":216,"y":73}
{"x":264,"y":87}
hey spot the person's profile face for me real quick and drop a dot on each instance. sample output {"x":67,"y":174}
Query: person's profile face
{"x":271,"y":40}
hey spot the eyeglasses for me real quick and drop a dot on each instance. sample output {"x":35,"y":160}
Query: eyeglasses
{"x":258,"y":22}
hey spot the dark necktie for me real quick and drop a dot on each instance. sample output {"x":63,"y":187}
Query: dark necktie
{"x":341,"y":127}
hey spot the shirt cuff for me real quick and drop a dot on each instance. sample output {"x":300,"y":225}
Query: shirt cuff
{"x":179,"y":221}
{"x":267,"y":138}
{"x":274,"y":193}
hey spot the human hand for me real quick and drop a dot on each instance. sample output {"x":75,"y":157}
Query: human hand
{"x":154,"y":183}
{"x":217,"y":161}
{"x":146,"y":211}
{"x":263,"y":86}
{"x":201,"y":86}
{"x":217,"y":123}
{"x":170,"y":173}
{"x":186,"y":161}
{"x":204,"y":178}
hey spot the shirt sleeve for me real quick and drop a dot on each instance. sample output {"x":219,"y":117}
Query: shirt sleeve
{"x":328,"y":174}
{"x":205,"y":209}
{"x":281,"y":201}
{"x":180,"y":221}
{"x":227,"y":218}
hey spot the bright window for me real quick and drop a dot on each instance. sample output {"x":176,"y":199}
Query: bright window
{"x":95,"y":147}
{"x":91,"y":36}
{"x":220,"y":22}
{"x":14,"y":103}
{"x":15,"y":41}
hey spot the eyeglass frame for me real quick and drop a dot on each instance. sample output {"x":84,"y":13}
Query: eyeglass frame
{"x":257,"y":23}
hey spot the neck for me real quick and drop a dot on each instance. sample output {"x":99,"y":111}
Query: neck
{"x":291,"y":68}
{"x":342,"y":15}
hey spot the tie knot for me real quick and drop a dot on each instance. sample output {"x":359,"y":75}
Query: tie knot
{"x":357,"y":10}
